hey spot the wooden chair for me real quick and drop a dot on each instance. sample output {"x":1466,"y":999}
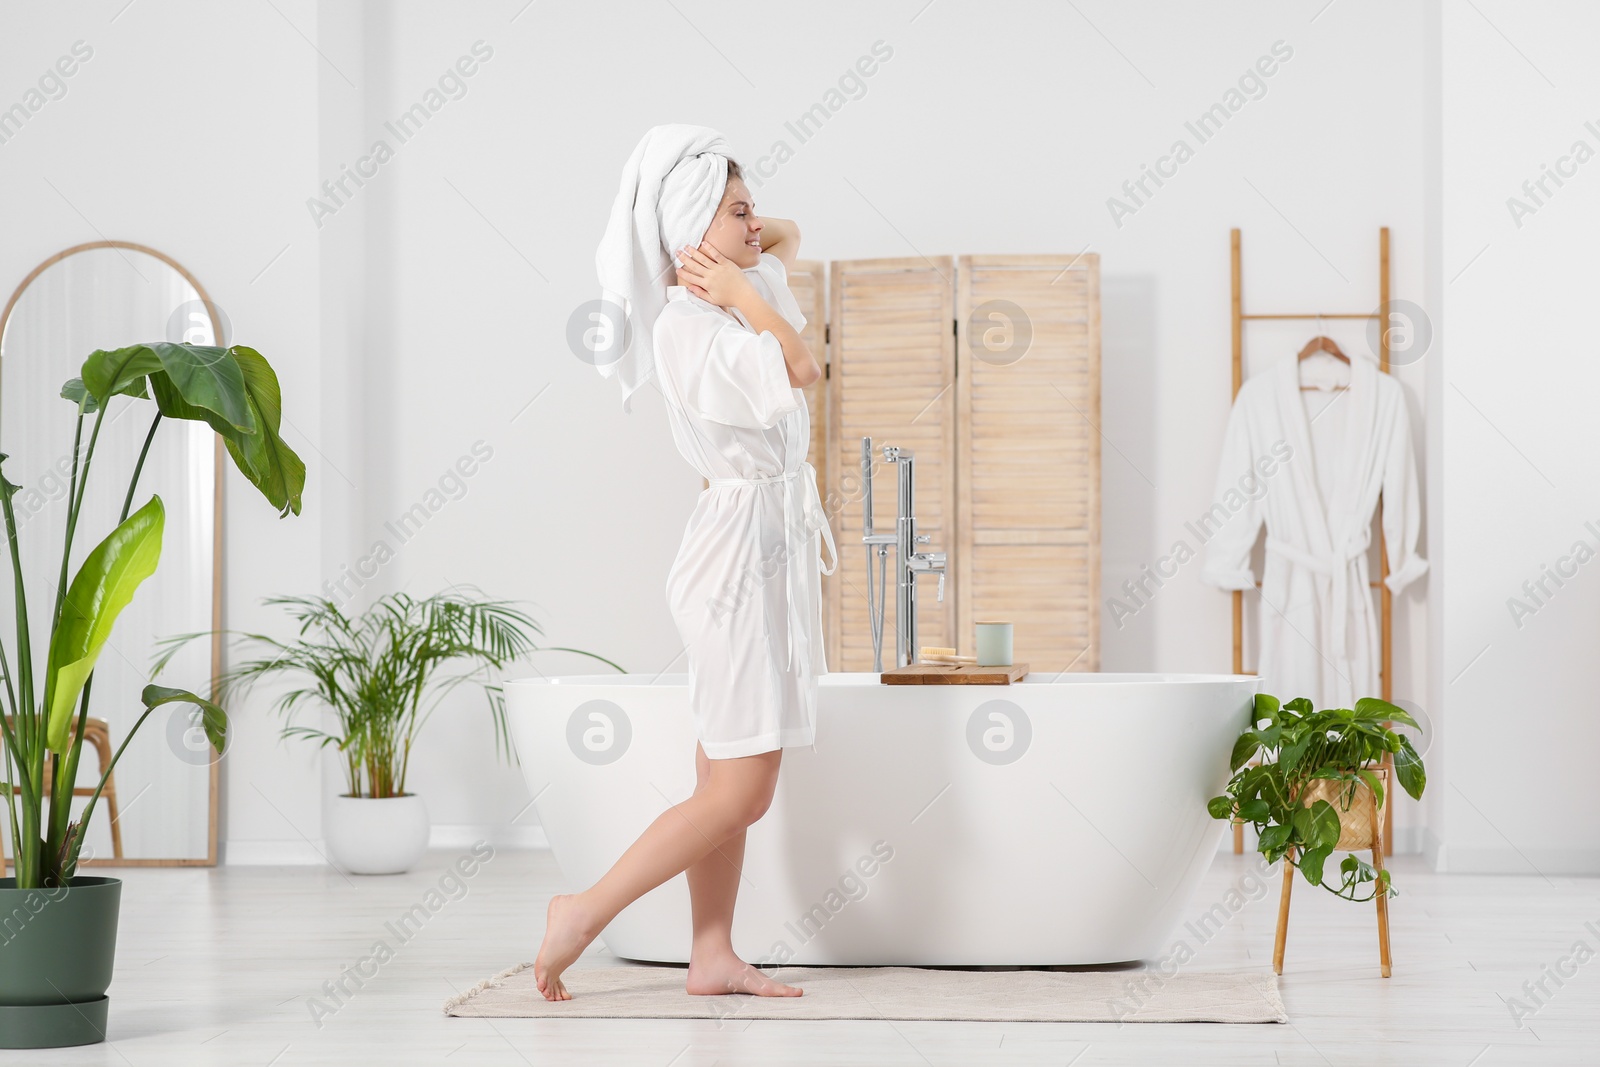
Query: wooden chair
{"x":1358,"y":830}
{"x":96,"y":732}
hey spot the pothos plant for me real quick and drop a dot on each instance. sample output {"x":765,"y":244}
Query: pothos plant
{"x":235,"y":392}
{"x":1299,"y":746}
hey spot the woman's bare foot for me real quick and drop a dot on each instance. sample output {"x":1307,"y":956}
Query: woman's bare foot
{"x":727,"y":973}
{"x":567,"y":932}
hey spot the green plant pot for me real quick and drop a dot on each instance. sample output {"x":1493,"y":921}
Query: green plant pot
{"x":57,"y":947}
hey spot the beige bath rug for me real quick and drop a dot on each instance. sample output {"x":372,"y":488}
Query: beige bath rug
{"x":635,"y":991}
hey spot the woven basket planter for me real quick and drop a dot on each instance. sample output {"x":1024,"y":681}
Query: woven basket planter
{"x":1356,"y":822}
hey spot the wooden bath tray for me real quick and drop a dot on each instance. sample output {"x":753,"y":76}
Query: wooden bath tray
{"x":950,"y":674}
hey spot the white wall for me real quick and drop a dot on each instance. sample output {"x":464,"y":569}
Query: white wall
{"x":428,"y":311}
{"x":489,"y":220}
{"x":1518,"y":483}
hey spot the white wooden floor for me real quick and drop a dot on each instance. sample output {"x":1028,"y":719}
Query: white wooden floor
{"x":219,"y":967}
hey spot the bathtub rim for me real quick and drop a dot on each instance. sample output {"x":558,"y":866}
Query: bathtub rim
{"x":848,"y":679}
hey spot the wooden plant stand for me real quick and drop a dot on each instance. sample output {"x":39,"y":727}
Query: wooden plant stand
{"x":1351,"y":838}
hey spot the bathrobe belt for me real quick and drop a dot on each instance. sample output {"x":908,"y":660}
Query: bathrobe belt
{"x":1336,"y":567}
{"x":796,"y":537}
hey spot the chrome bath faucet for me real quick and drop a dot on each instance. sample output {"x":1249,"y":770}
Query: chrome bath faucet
{"x":909,"y":562}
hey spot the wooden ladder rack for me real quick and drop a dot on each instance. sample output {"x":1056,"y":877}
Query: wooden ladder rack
{"x":1385,"y":597}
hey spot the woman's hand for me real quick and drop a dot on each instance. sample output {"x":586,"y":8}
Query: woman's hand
{"x":711,"y":276}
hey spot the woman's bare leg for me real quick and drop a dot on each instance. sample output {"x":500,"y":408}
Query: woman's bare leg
{"x":713,"y":888}
{"x":736,"y":795}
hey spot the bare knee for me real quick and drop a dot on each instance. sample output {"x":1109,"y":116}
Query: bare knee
{"x":756,"y":805}
{"x":735,"y":809}
{"x":742,"y":798}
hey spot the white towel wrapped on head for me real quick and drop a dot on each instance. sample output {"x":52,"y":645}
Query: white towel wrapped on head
{"x":670,"y":189}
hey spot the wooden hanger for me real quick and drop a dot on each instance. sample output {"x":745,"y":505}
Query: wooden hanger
{"x":1317,"y":344}
{"x":1323,"y":344}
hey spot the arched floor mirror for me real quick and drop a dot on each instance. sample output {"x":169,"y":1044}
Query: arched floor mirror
{"x":109,"y":294}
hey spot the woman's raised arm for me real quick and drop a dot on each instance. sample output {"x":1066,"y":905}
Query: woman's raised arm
{"x":781,"y":237}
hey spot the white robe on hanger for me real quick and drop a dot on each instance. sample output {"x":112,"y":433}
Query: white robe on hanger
{"x":1314,"y":481}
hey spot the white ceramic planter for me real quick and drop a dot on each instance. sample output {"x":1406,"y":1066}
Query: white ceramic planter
{"x":367,"y":836}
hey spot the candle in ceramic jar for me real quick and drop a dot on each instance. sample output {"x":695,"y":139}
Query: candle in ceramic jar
{"x":994,"y":644}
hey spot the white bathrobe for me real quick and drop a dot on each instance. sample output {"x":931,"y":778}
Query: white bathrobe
{"x":1314,"y":480}
{"x":744,"y":589}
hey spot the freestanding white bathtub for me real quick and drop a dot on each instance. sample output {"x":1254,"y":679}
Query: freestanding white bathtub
{"x":1054,"y":821}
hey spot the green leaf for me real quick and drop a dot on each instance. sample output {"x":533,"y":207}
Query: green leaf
{"x":207,"y":378}
{"x":263,"y":457}
{"x":1254,"y":811}
{"x":103,"y":586}
{"x":233,"y":390}
{"x":1374,"y":784}
{"x":1220,"y":807}
{"x":1408,"y":768}
{"x":204,"y":384}
{"x":1300,"y":706}
{"x":1266,"y":708}
{"x":1381,"y":710}
{"x":1273,"y":837}
{"x":1325,"y":825}
{"x":1243,"y":749}
{"x":1289,"y":755}
{"x":1311,"y":863}
{"x":75,"y":391}
{"x":119,"y":371}
{"x":210,"y":378}
{"x":1305,"y":827}
{"x":213,"y":718}
{"x":1316,"y":826}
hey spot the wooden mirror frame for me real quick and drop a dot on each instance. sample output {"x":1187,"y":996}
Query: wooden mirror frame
{"x":210,"y":859}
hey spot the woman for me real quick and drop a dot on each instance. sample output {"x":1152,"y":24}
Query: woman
{"x":744,"y":589}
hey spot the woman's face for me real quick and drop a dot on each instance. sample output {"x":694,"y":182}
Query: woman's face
{"x":735,"y":230}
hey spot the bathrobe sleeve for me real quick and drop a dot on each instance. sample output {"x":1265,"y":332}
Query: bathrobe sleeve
{"x":1402,"y":509}
{"x":773,"y":284}
{"x":727,"y":374}
{"x":1235,"y":517}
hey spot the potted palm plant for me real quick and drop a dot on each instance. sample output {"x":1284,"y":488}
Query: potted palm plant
{"x":383,"y":673}
{"x":58,"y":943}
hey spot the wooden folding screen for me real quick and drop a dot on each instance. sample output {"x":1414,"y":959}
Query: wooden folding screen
{"x":1003,"y":416}
{"x":891,"y":372}
{"x":808,"y":283}
{"x":1027,"y":544}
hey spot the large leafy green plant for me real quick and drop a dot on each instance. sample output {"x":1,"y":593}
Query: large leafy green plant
{"x":233,"y":390}
{"x":384,"y":672}
{"x":1299,"y":746}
